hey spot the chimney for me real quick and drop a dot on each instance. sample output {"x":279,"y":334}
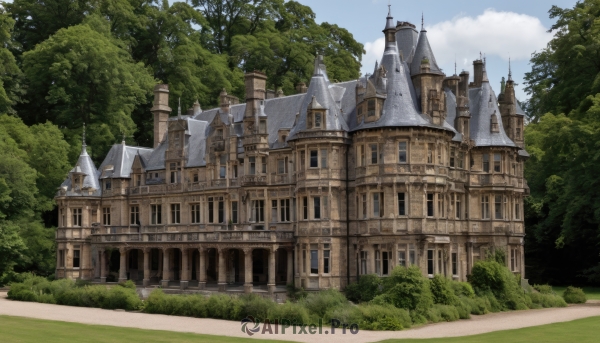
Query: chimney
{"x":224,"y":101}
{"x":301,"y":88}
{"x":161,"y":111}
{"x":463,"y":86}
{"x":478,"y":70}
{"x":256,"y":84}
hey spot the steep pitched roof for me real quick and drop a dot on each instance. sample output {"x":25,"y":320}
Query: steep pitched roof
{"x":121,"y":157}
{"x":483,"y":105}
{"x":85,"y":166}
{"x":423,"y":50}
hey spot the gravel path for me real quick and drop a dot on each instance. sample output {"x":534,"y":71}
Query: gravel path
{"x":476,"y":325}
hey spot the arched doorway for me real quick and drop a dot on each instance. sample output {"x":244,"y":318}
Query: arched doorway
{"x":260,"y":267}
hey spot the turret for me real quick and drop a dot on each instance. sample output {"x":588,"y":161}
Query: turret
{"x":511,"y":120}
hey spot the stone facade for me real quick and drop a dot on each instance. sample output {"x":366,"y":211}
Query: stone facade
{"x":406,"y":166}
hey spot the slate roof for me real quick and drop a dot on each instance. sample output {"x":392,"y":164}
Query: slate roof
{"x":121,"y":158}
{"x":423,"y":50}
{"x":406,"y":40}
{"x":85,"y":166}
{"x":483,"y":105}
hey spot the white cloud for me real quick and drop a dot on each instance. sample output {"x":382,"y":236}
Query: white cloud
{"x":494,"y":33}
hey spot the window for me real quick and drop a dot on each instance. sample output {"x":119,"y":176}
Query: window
{"x":363,"y":262}
{"x":252,"y":166}
{"x":402,"y":153}
{"x":138,"y":180}
{"x":497,"y":163}
{"x":222,"y":172}
{"x":273,"y":210}
{"x":317,"y":208}
{"x":429,"y":153}
{"x":486,"y":163}
{"x":439,"y":151}
{"x":430,"y":264}
{"x":76,"y":258}
{"x":326,"y":259}
{"x":175,"y":214}
{"x":63,"y":221}
{"x":458,"y":207}
{"x":485,"y":207}
{"x":195,"y":209}
{"x":430,"y":212}
{"x":461,"y":160}
{"x":318,"y":119}
{"x":377,"y":262}
{"x":281,"y":166}
{"x":517,"y":209}
{"x":107,"y":184}
{"x":362,"y":155}
{"x":364,"y":206}
{"x":377,"y":205}
{"x":304,"y":261}
{"x":514,"y":259}
{"x":106,"y":216}
{"x":452,"y":154}
{"x":498,"y":206}
{"x":234,"y":212}
{"x":401,"y":204}
{"x":76,"y":217}
{"x":195,"y":178}
{"x":219,"y":133}
{"x":314,"y":259}
{"x":258,"y":211}
{"x":174,"y":167}
{"x":235,"y":171}
{"x":440,"y":262}
{"x":284,"y":208}
{"x":411,"y":255}
{"x":374,"y":154}
{"x":323,"y":158}
{"x":302,"y":159}
{"x":454,"y":264}
{"x":134,"y":215}
{"x":314,"y":159}
{"x":402,"y":258}
{"x":441,"y":212}
{"x":385,"y":263}
{"x":305,"y":208}
{"x":221,"y":212}
{"x":518,"y":133}
{"x":61,"y":258}
{"x":370,"y":108}
{"x":156,"y":214}
{"x":263,"y":161}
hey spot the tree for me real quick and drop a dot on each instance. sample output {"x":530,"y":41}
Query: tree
{"x":81,"y":76}
{"x":10,"y":74}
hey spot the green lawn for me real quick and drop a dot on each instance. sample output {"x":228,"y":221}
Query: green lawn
{"x":592,"y":293}
{"x":580,"y":331}
{"x":18,"y":329}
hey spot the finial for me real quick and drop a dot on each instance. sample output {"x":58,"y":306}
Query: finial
{"x":123,"y":140}
{"x":83,"y":137}
{"x":179,"y":108}
{"x":389,"y":8}
{"x":422,"y":21}
{"x":480,"y":56}
{"x":509,"y":70}
{"x":455,"y":64}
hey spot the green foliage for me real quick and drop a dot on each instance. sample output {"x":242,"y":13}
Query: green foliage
{"x":442,"y":290}
{"x":462,"y":289}
{"x":493,"y":280}
{"x":544,"y":289}
{"x":371,"y":316}
{"x":407,"y":288}
{"x":438,"y":313}
{"x":12,"y":249}
{"x":318,"y":303}
{"x":11,"y":88}
{"x":294,"y":312}
{"x":544,"y":300}
{"x":574,"y":295}
{"x":295,"y":293}
{"x":367,"y":288}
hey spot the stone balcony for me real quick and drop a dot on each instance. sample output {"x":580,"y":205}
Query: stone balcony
{"x":197,"y":237}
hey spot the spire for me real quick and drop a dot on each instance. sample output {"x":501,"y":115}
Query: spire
{"x":83,"y":137}
{"x":376,"y":67}
{"x":389,"y":23}
{"x":422,"y":21}
{"x":318,"y":62}
{"x":509,"y":70}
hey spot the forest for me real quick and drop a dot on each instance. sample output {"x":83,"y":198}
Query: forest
{"x":64,"y":63}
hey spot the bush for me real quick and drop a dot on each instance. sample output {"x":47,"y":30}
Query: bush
{"x":544,"y":289}
{"x":253,"y":305}
{"x":222,"y":306}
{"x":545,"y":300}
{"x":128,"y":284}
{"x":319,"y":303}
{"x":295,"y":293}
{"x":475,"y":305}
{"x":442,"y":291}
{"x":462,"y":289}
{"x":367,"y":288}
{"x":438,"y":313}
{"x":371,"y":316}
{"x":187,"y":305}
{"x":574,"y":295}
{"x":491,"y":278}
{"x":407,"y":288}
{"x":294,"y":312}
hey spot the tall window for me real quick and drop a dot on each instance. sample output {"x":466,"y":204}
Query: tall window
{"x":430,"y":212}
{"x":326,"y":259}
{"x":274,"y":211}
{"x":363,"y":262}
{"x":452,"y":156}
{"x":195,"y":213}
{"x":76,"y":216}
{"x":364,"y":206}
{"x":461,"y":160}
{"x":402,"y":258}
{"x":106,"y":216}
{"x":305,"y":208}
{"x":498,"y":206}
{"x":486,"y":163}
{"x":318,"y":119}
{"x":377,"y":262}
{"x":221,"y":211}
{"x":252,"y":166}
{"x":175,"y":214}
{"x":284,"y":210}
{"x":107,"y":184}
{"x":317,"y":207}
{"x":458,"y":207}
{"x":314,"y":159}
{"x":263,"y":163}
{"x":385,"y":263}
{"x":314,"y":259}
{"x":234,"y":212}
{"x":514,"y":259}
{"x":211,"y":210}
{"x":401,"y":204}
{"x":517,"y":209}
{"x":304,"y":261}
{"x":485,"y":207}
{"x":134,"y":215}
{"x":377,"y":205}
{"x":362,"y":155}
{"x":430,"y":262}
{"x":441,"y":212}
{"x":497,"y":163}
{"x":412,"y":257}
{"x":258,"y":211}
{"x":374,"y":154}
{"x":76,"y":258}
{"x":430,"y":153}
{"x":174,"y":167}
{"x":281,"y":166}
{"x":222,"y":172}
{"x":440,"y":262}
{"x":454,"y":263}
{"x":156,"y":214}
{"x":302,"y":159}
{"x":323,"y":158}
{"x":402,"y":153}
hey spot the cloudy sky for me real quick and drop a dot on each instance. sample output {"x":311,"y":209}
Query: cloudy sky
{"x":458,"y":30}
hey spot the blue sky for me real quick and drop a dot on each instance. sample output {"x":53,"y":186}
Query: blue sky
{"x":457,"y":29}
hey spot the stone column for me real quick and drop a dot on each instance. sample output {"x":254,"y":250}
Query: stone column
{"x":248,"y":270}
{"x":102,"y":266}
{"x":202,"y":272}
{"x":123,"y":265}
{"x":222,"y":270}
{"x":290,"y":266}
{"x":271,"y":282}
{"x":147,"y":252}
{"x":165,"y":273}
{"x":185,"y":272}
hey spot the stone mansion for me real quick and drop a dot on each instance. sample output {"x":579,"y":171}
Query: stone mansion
{"x":404,"y":166}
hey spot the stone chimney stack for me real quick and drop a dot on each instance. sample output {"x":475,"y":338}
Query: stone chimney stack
{"x":301,"y":88}
{"x":256,"y":89}
{"x":463,"y":85}
{"x":161,"y":111}
{"x":478,"y":70}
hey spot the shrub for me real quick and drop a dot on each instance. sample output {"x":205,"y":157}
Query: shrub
{"x":407,"y":288}
{"x":545,"y":300}
{"x":439,"y":312}
{"x":221,"y":306}
{"x":476,"y":305}
{"x":295,"y":293}
{"x":462,"y":289}
{"x":544,"y":289}
{"x":121,"y":298}
{"x":491,"y":278}
{"x":367,"y":288}
{"x":442,"y":291}
{"x":371,"y":316}
{"x":294,"y":312}
{"x":187,"y":305}
{"x":253,"y":305}
{"x":128,"y":284}
{"x":319,"y":303}
{"x":574,"y":295}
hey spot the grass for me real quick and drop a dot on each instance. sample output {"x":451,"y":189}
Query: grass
{"x":592,"y":293}
{"x":580,"y":331}
{"x":22,"y":330}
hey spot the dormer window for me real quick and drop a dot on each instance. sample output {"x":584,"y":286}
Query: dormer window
{"x":107,"y":185}
{"x":494,"y":123}
{"x":318,"y":119}
{"x":263,"y":126}
{"x":220,"y":133}
{"x":371,"y":108}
